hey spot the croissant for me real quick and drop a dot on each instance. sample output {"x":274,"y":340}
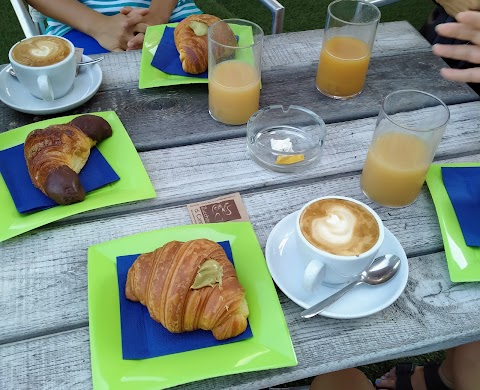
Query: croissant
{"x":190,"y":285}
{"x":191,"y":41}
{"x":56,"y":154}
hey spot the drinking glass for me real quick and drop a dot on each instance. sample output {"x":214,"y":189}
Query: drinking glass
{"x":409,"y":128}
{"x":234,"y":72}
{"x":347,"y":45}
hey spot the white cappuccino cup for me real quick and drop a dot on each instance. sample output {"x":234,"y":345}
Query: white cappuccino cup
{"x":45,"y":65}
{"x":338,"y":238}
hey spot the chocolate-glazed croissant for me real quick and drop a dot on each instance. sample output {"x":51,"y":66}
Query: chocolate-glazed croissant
{"x":55,"y":155}
{"x":190,"y":285}
{"x":191,"y":41}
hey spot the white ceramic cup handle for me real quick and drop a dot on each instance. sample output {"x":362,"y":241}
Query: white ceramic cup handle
{"x":45,"y":88}
{"x":313,"y":275}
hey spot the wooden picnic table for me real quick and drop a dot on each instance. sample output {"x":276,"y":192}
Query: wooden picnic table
{"x":44,"y":334}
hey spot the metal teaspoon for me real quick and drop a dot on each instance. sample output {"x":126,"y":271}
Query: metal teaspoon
{"x":381,"y":270}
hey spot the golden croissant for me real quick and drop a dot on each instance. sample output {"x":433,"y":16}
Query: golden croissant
{"x":190,"y":38}
{"x":190,"y":285}
{"x":55,"y":155}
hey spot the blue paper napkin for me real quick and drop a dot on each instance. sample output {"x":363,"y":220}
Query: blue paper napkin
{"x":144,"y":338}
{"x":463,"y":188}
{"x":166,"y":57}
{"x":95,"y":174}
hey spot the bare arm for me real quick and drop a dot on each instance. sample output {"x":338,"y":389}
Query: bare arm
{"x":70,"y":12}
{"x":467,"y":29}
{"x":109,"y":31}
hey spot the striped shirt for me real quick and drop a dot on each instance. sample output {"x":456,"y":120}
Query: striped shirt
{"x":113,"y":7}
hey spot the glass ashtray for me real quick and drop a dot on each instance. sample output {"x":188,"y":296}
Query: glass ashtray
{"x":285,"y":139}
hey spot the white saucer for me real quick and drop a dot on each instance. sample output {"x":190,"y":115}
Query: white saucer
{"x":287,"y":271}
{"x":86,"y":84}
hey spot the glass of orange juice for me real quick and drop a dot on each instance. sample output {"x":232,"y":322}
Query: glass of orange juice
{"x":409,"y":129}
{"x":348,"y":39}
{"x":234,"y":72}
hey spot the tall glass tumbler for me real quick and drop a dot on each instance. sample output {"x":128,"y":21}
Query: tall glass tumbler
{"x":409,"y":128}
{"x":234,"y":72}
{"x":348,"y":39}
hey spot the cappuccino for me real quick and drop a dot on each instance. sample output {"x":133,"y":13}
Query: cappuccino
{"x":41,"y":51}
{"x":339,"y":226}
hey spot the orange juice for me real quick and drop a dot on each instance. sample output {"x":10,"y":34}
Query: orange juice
{"x":343,"y":66}
{"x":395,"y":169}
{"x":233,"y":92}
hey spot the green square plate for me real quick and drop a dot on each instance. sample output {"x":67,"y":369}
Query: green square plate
{"x":463,"y":260}
{"x":134,"y":183}
{"x":152,"y":77}
{"x":270,"y":346}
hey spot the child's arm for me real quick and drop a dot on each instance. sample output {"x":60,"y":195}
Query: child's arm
{"x":109,"y":31}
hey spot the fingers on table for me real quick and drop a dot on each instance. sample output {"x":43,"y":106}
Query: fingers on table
{"x":470,"y":53}
{"x":467,"y":28}
{"x":471,"y":75}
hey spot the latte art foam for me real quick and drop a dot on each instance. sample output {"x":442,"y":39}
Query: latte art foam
{"x":336,"y":227}
{"x":339,"y":226}
{"x":41,"y":51}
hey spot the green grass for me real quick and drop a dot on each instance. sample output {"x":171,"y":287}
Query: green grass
{"x":300,"y":15}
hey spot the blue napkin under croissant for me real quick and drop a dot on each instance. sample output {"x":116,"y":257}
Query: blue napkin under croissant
{"x":96,"y":173}
{"x":143,"y":338}
{"x":463,"y":188}
{"x":166,"y":57}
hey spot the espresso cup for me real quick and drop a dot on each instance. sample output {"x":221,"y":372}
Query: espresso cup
{"x":337,"y":238}
{"x":45,"y":65}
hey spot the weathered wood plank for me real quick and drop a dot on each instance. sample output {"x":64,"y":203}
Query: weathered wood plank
{"x":159,"y":118}
{"x":49,"y":265}
{"x":183,"y":174}
{"x":282,"y":50}
{"x":303,"y":47}
{"x":122,"y":69}
{"x":167,"y":116}
{"x":428,"y":316}
{"x":195,"y":172}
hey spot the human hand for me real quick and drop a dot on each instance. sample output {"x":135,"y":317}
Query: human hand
{"x":453,"y":7}
{"x":135,"y":16}
{"x":138,"y":20}
{"x":112,"y":34}
{"x":467,"y":28}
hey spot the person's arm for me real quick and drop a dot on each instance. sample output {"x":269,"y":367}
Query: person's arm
{"x":160,"y":11}
{"x":70,"y":12}
{"x":107,"y":30}
{"x":467,"y":28}
{"x":453,"y":7}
